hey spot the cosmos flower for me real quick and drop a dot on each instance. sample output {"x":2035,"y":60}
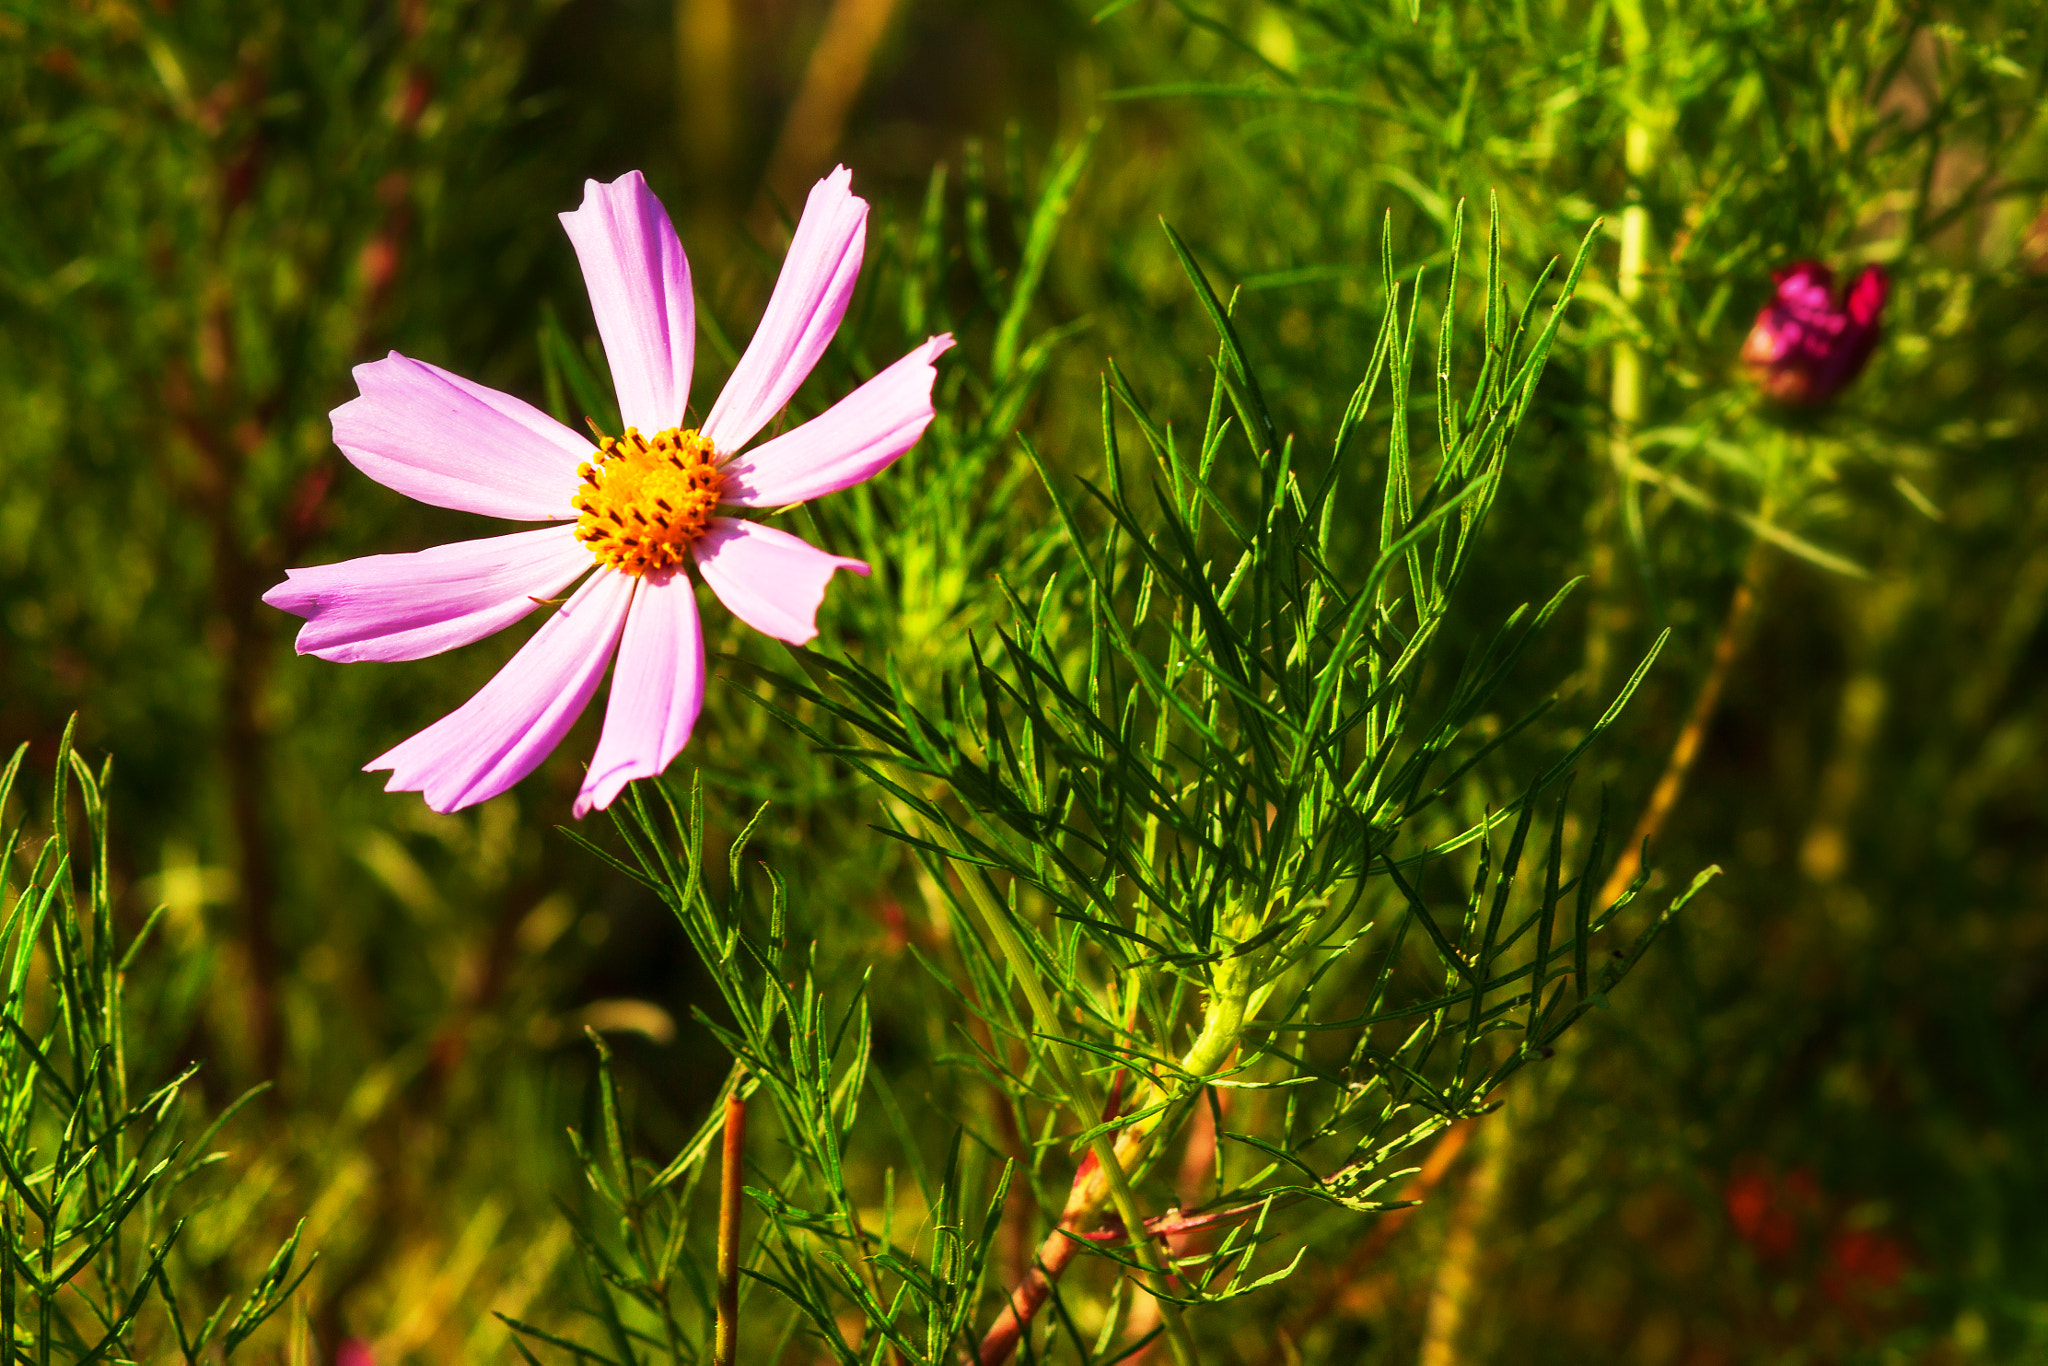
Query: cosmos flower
{"x":1805,"y":345}
{"x":649,"y":510}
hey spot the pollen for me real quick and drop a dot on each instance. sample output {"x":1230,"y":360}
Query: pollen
{"x":644,"y":502}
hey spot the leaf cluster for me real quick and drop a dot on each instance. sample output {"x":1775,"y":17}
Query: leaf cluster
{"x":1189,"y":822}
{"x":101,"y":1178}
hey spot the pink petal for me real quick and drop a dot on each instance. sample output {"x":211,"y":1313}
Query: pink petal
{"x":1867,"y":295}
{"x":443,"y":440}
{"x":767,"y":578}
{"x":855,"y":439}
{"x":393,"y":607}
{"x":803,"y":313}
{"x":499,"y":736}
{"x":639,"y":283}
{"x":657,"y":691}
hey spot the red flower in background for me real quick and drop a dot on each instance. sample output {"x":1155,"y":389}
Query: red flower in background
{"x":1759,"y":1219}
{"x":1768,"y":1210}
{"x":1806,"y":344}
{"x":1862,"y":1262}
{"x":1812,"y":1242}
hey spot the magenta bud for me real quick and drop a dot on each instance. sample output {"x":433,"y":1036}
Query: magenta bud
{"x":355,"y":1352}
{"x":1806,"y":344}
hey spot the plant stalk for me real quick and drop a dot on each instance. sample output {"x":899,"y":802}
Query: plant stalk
{"x":725,"y":1341}
{"x":837,"y":69}
{"x":1626,"y":401}
{"x":1671,"y":783}
{"x":1108,"y":1184}
{"x":1451,"y":1296}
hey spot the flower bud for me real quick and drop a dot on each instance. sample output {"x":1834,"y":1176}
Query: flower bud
{"x":1806,"y":344}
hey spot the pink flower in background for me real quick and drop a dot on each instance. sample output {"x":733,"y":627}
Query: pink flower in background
{"x":355,"y":1352}
{"x":643,"y":508}
{"x":1805,"y":345}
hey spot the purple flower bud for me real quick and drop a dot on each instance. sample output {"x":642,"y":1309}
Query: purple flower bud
{"x":1805,"y":344}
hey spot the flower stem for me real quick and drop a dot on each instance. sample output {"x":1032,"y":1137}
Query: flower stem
{"x":725,"y":1343}
{"x":837,"y":69}
{"x":1457,"y":1277}
{"x":1614,"y":511}
{"x":1671,"y":783}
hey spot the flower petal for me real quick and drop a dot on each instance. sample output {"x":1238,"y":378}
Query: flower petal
{"x":1866,"y":297}
{"x":657,"y":690}
{"x":855,"y":439}
{"x":443,"y":440}
{"x":767,"y":578}
{"x":499,"y":736}
{"x":804,"y":311}
{"x":393,"y":607}
{"x":639,"y":283}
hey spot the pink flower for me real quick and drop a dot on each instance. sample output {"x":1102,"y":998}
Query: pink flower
{"x":642,"y":508}
{"x":1805,"y":345}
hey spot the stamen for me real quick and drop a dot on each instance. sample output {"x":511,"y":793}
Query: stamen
{"x":668,"y":485}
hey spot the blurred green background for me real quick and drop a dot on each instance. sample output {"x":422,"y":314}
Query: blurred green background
{"x":1813,"y":1130}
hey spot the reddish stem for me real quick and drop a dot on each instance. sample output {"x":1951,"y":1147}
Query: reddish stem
{"x":1029,"y":1297}
{"x":1671,"y":783}
{"x":725,"y":1344}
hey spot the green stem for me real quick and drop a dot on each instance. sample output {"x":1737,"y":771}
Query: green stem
{"x":1614,"y":513}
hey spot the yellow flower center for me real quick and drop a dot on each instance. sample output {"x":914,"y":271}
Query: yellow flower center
{"x":644,"y":502}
